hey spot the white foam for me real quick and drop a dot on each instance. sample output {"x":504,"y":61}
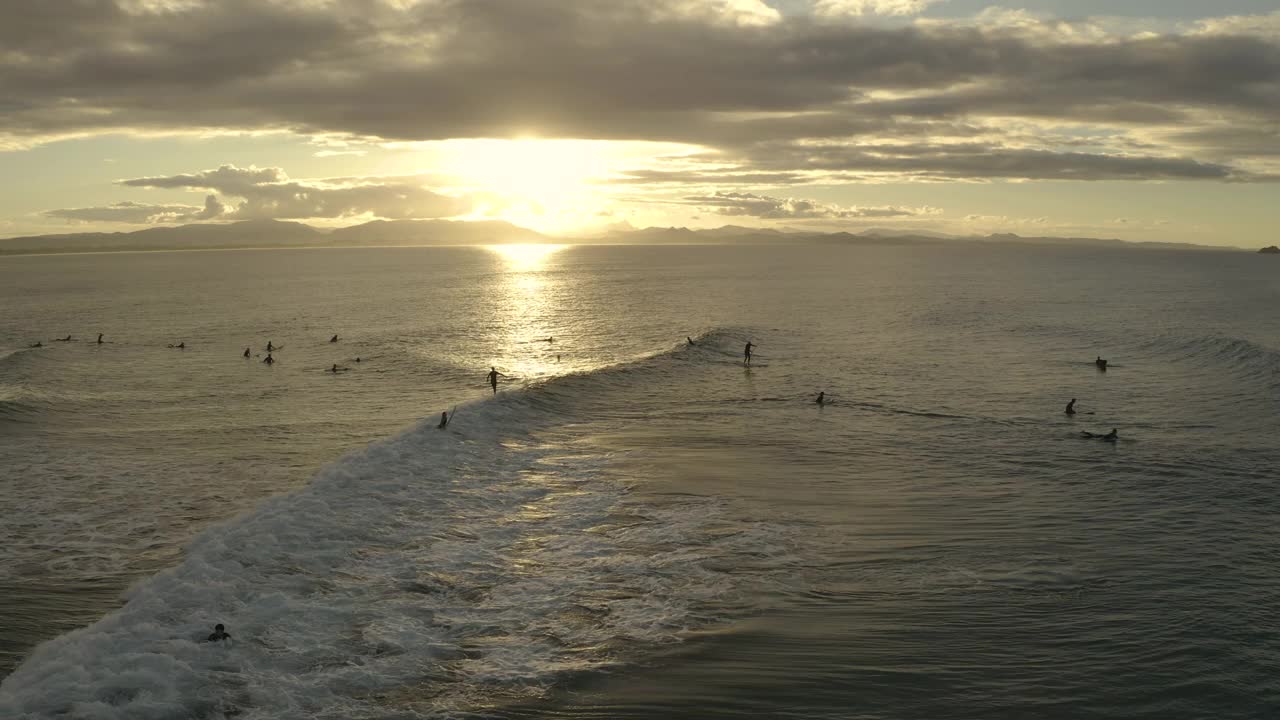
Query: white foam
{"x":437,"y":567}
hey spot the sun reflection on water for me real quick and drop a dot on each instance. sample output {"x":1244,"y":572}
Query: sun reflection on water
{"x":533,"y":324}
{"x":525,"y":258}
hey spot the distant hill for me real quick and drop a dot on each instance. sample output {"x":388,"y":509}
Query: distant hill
{"x":277,"y":234}
{"x":281,"y":234}
{"x":1270,"y":250}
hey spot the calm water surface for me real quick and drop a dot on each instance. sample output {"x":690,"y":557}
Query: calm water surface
{"x":635,"y":527}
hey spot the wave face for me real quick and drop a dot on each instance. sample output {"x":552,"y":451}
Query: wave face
{"x":433,"y":572}
{"x":1214,"y":353}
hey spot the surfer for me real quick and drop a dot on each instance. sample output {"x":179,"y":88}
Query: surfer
{"x":336,"y":369}
{"x":65,"y":339}
{"x":357,"y":359}
{"x":1071,"y":407}
{"x":38,"y":344}
{"x":822,"y":398}
{"x":333,"y":339}
{"x":746,"y":353}
{"x":1102,"y":364}
{"x":180,"y":346}
{"x":444,"y":421}
{"x":493,"y":378}
{"x":99,"y":338}
{"x":270,"y":347}
{"x":690,"y":340}
{"x":219,"y":633}
{"x":246,"y":352}
{"x":269,"y":360}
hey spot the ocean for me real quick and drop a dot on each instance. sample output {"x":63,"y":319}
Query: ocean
{"x":635,"y":526}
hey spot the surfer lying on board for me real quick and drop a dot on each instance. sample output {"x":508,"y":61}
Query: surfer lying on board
{"x":1109,"y":437}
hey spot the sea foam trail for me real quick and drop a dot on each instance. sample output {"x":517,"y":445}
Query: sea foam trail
{"x":416,"y":578}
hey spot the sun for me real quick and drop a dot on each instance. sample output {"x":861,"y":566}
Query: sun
{"x":550,"y":185}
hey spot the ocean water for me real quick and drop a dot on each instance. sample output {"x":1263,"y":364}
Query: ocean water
{"x":634,"y":527}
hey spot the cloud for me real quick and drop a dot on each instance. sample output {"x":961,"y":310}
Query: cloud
{"x":268,"y":193}
{"x":141,"y":213}
{"x":872,"y":7}
{"x":731,"y":75}
{"x":763,"y":206}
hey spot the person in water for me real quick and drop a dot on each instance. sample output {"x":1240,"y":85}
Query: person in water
{"x":333,"y":339}
{"x":1102,"y":364}
{"x":1109,"y":437}
{"x":180,"y":346}
{"x":38,"y":344}
{"x":246,"y":352}
{"x":270,"y":347}
{"x":444,"y":421}
{"x":746,"y":353}
{"x":357,"y":359}
{"x":65,"y":339}
{"x":690,"y":340}
{"x":219,"y":633}
{"x":268,"y":359}
{"x":822,"y":398}
{"x":336,"y":369}
{"x":99,"y":338}
{"x":493,"y":378}
{"x":1071,"y":407}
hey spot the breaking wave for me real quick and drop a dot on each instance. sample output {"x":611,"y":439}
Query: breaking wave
{"x":428,"y":575}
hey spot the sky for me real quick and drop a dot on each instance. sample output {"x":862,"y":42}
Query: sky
{"x":1145,"y":120}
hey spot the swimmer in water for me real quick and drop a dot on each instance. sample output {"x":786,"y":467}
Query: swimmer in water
{"x":246,"y":352}
{"x":746,"y":353}
{"x":444,"y":421}
{"x":357,"y":359}
{"x":1071,"y":407}
{"x":493,"y":378}
{"x":219,"y":633}
{"x":822,"y":398}
{"x":268,"y":359}
{"x":333,"y":339}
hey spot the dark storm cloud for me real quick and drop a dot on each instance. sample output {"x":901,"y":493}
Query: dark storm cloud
{"x":763,"y":206}
{"x":617,"y":69}
{"x":268,"y":193}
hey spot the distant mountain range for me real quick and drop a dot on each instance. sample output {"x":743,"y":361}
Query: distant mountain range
{"x":282,"y":234}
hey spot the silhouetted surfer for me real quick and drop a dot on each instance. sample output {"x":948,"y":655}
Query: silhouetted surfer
{"x":1109,"y":437}
{"x":99,"y":338}
{"x":822,"y":398}
{"x":38,"y":344}
{"x":180,"y":346}
{"x":493,"y":378}
{"x":333,"y":339}
{"x":1102,"y":364}
{"x":357,"y":359}
{"x":65,"y":339}
{"x":1071,"y":407}
{"x":269,"y":360}
{"x":746,"y":353}
{"x":246,"y":352}
{"x":690,"y":340}
{"x":444,"y":421}
{"x":270,"y":347}
{"x":336,"y":369}
{"x":219,"y":633}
